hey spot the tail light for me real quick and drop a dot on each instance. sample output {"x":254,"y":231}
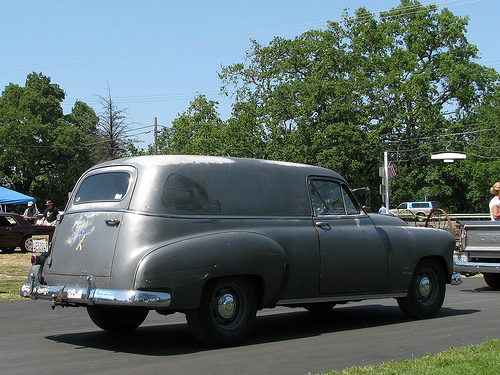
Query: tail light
{"x":38,"y":259}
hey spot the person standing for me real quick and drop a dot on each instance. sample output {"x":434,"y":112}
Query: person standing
{"x":31,"y":213}
{"x":50,"y":214}
{"x":495,"y":202}
{"x":382,"y":209}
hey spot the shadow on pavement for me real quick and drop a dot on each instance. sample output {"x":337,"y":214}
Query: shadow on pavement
{"x":175,"y":339}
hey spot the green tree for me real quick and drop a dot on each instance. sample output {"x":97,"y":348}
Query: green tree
{"x":298,"y":94}
{"x":426,"y":83}
{"x":400,"y":81}
{"x":43,"y":151}
{"x":196,"y":131}
{"x":243,"y":135}
{"x":481,"y":137}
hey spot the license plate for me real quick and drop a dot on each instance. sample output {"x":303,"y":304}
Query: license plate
{"x":40,"y":243}
{"x":460,"y":257}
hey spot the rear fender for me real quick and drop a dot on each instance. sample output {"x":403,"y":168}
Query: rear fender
{"x":183,"y":268}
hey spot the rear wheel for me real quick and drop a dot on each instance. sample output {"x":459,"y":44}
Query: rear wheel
{"x":492,"y":279}
{"x":427,"y":290}
{"x":226,"y":313}
{"x":421,"y":216}
{"x":117,"y":319}
{"x":27,"y":244}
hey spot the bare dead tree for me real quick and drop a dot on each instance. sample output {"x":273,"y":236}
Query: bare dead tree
{"x":112,"y":128}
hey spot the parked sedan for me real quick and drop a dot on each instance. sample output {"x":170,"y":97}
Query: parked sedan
{"x":15,"y":231}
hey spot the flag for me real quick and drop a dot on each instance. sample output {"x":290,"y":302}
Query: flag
{"x":391,"y":171}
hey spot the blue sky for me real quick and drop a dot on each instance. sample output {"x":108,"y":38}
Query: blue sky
{"x":157,"y":55}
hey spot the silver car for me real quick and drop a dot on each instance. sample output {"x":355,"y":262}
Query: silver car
{"x":419,"y":209}
{"x":220,"y":238}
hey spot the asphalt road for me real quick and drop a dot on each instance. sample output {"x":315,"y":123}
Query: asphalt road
{"x":36,"y":339}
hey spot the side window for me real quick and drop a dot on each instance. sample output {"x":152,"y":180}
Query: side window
{"x":331,"y":198}
{"x":182,"y":194}
{"x":111,"y":186}
{"x":350,"y":206}
{"x":420,"y":205}
{"x":402,"y":206}
{"x":7,"y":221}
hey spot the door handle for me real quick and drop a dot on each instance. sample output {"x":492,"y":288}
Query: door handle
{"x":112,"y":222}
{"x":322,"y":224}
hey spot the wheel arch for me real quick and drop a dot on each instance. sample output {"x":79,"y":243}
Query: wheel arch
{"x":430,"y":243}
{"x":185,"y":267}
{"x":442,"y":264}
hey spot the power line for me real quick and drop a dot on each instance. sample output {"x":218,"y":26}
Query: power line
{"x":208,"y":43}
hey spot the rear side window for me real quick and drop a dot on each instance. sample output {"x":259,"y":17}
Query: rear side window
{"x":111,"y":186}
{"x":420,"y":205}
{"x":184,"y":194}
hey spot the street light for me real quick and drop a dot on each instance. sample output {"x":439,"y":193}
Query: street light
{"x":449,"y":157}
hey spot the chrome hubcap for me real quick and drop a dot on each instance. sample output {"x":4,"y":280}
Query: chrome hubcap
{"x":226,"y":306}
{"x":425,"y":287}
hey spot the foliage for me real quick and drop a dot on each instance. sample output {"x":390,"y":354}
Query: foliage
{"x":195,"y":131}
{"x":405,"y":81}
{"x":482,"y":167}
{"x":43,"y":151}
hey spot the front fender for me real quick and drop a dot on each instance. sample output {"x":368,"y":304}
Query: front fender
{"x":184,"y":267}
{"x":412,"y":244}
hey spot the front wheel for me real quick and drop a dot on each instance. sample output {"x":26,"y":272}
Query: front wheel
{"x":226,"y":313}
{"x":492,"y":279}
{"x":427,"y":290}
{"x":117,"y":319}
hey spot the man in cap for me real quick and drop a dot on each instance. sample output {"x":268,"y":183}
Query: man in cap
{"x":50,"y":214}
{"x":31,"y":213}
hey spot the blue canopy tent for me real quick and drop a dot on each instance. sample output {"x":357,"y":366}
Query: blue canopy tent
{"x":8,"y":196}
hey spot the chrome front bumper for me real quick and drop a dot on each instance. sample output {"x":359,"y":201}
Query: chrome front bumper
{"x":71,"y":296}
{"x":476,"y":267}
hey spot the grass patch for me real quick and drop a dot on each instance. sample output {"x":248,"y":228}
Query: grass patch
{"x":14,"y":269}
{"x":481,"y":359}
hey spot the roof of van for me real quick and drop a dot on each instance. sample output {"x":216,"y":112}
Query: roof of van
{"x":160,"y":160}
{"x":227,"y":186}
{"x":420,"y":202}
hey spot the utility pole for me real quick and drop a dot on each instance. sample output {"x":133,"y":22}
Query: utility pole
{"x":386,"y":180}
{"x":156,"y":136}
